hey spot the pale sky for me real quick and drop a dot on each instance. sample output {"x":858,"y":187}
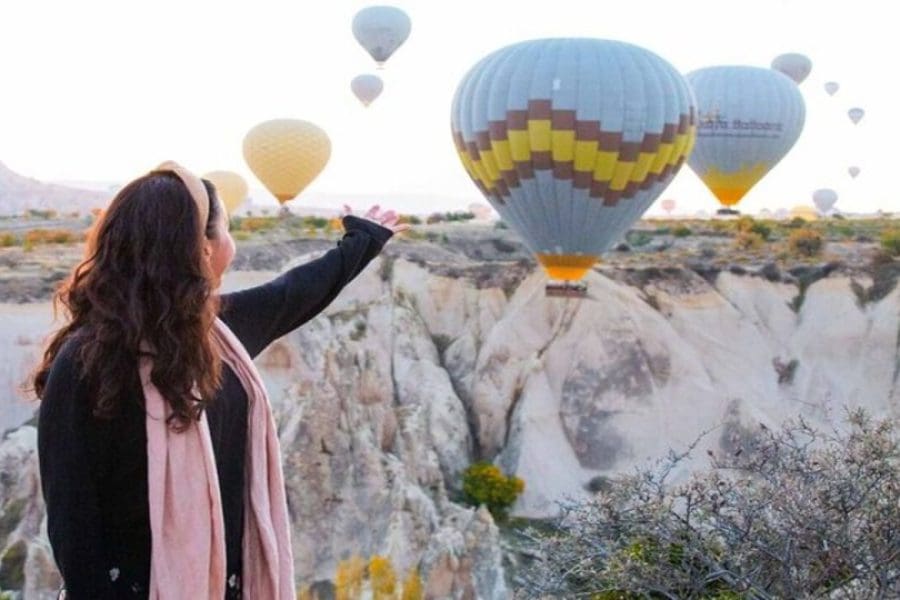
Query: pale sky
{"x":103,"y":90}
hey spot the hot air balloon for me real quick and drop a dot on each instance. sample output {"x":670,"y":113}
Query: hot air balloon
{"x":481,"y":211}
{"x":824,"y":199}
{"x":831,"y":87}
{"x":571,"y":140}
{"x":854,"y":171}
{"x":796,"y":66}
{"x":286,"y":155}
{"x":381,"y":30}
{"x":366,"y":88}
{"x":748,"y":120}
{"x":807,"y":213}
{"x":230,"y":187}
{"x":668,"y":205}
{"x":856,"y":114}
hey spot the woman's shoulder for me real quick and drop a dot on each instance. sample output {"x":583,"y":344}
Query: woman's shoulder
{"x":66,"y":376}
{"x":68,"y":356}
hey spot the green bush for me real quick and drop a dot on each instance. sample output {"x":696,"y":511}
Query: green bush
{"x":682,"y":231}
{"x":315,"y":222}
{"x":890,"y":241}
{"x":256,"y":224}
{"x":637,"y":239}
{"x":749,"y":224}
{"x":805,"y":242}
{"x":7,"y":240}
{"x":484,"y":483}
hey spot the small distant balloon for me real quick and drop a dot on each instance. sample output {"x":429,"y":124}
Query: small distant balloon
{"x":668,"y":205}
{"x":854,"y":171}
{"x":856,"y":115}
{"x":831,"y":87}
{"x":230,"y":187}
{"x":286,"y":155}
{"x":825,"y":199}
{"x":782,"y":214}
{"x":381,"y":30}
{"x":367,"y":88}
{"x":807,"y":213}
{"x":481,"y":211}
{"x":794,"y":65}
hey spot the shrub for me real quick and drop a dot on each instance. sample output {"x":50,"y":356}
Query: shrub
{"x":36,"y":237}
{"x":412,"y":587}
{"x":682,"y":231}
{"x":749,"y":224}
{"x":241,"y":236}
{"x":805,"y":242}
{"x":459,"y":216}
{"x":890,"y":241}
{"x":315,"y":222}
{"x":636,"y":239}
{"x":352,"y":573}
{"x":256,"y":224}
{"x":748,"y":240}
{"x":7,"y":240}
{"x":349,"y":578}
{"x":382,"y":577}
{"x":789,"y":513}
{"x":484,"y":483}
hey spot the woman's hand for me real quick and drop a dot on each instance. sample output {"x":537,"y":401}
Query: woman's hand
{"x":388,"y":218}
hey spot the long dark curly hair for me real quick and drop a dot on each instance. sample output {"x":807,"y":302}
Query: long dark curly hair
{"x":143,"y":286}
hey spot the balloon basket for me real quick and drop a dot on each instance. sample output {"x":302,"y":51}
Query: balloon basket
{"x":565,"y":289}
{"x":728,"y":212}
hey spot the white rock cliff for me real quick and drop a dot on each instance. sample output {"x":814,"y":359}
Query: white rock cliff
{"x":411,"y":375}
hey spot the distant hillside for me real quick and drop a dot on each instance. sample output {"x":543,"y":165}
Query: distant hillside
{"x":19,"y":194}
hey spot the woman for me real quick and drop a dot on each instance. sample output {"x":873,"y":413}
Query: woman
{"x":158,"y":454}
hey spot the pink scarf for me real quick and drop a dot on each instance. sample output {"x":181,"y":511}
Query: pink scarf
{"x":186,"y":522}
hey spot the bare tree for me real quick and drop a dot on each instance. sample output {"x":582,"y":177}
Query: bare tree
{"x":792,"y":513}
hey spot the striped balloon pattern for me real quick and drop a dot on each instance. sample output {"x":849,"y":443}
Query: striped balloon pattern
{"x":749,"y":118}
{"x":571,"y":140}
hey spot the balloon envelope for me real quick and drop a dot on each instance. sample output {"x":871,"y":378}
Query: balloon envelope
{"x":571,"y":140}
{"x":854,"y":171}
{"x":366,"y":87}
{"x":796,"y":66}
{"x":749,"y":118}
{"x":825,"y":199}
{"x":481,"y":211}
{"x":230,"y":187}
{"x":286,"y":155}
{"x":807,"y":213}
{"x":381,"y":30}
{"x":831,"y":87}
{"x":856,"y":114}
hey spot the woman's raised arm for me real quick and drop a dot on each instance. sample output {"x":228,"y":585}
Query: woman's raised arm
{"x":262,"y":314}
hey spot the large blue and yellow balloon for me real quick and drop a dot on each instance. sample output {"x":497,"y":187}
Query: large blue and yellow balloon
{"x":571,"y":140}
{"x":749,"y":118}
